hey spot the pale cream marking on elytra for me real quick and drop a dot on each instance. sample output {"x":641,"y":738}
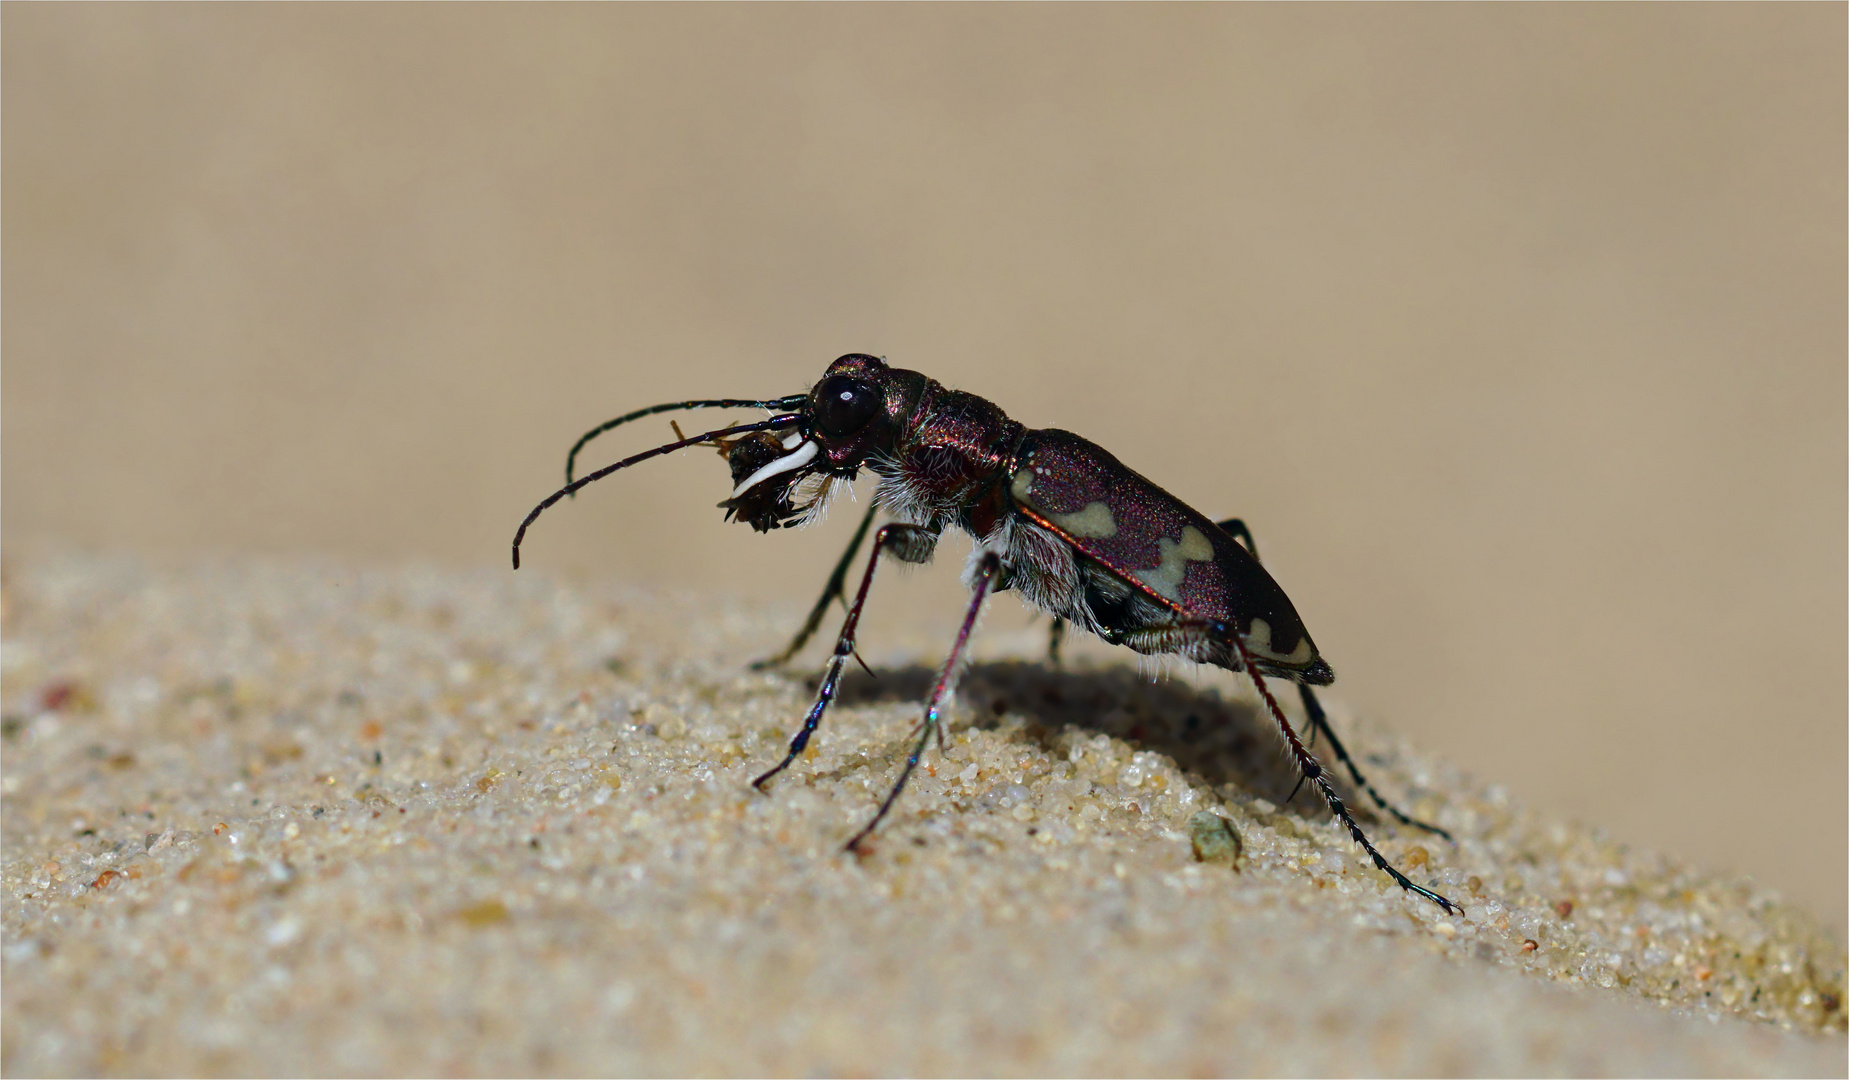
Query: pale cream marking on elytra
{"x":1257,"y":641}
{"x":1166,"y":578}
{"x":1094,"y":522}
{"x":1023,"y":484}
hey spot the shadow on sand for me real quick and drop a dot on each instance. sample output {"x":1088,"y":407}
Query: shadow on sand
{"x":1216,"y":741}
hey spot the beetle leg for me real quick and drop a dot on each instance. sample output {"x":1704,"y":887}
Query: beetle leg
{"x":987,"y":571}
{"x":1314,"y":774}
{"x":1236,"y":528}
{"x":1239,"y":532}
{"x":1055,"y":634}
{"x":1177,"y":637}
{"x":1319,"y":720}
{"x":910,"y":543}
{"x":834,"y":590}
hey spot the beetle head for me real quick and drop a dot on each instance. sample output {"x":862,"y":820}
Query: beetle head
{"x":785,"y":467}
{"x":859,"y":409}
{"x":856,"y":411}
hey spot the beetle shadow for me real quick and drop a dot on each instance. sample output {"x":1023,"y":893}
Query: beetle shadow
{"x":1213,"y":739}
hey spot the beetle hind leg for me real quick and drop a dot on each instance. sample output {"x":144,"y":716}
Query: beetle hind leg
{"x":1319,"y":721}
{"x":1314,"y":774}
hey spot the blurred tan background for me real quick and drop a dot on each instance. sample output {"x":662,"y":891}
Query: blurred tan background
{"x":1517,"y":333}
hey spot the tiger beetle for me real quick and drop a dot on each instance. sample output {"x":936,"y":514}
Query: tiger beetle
{"x":1055,"y":518}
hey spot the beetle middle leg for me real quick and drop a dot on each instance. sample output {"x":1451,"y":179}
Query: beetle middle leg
{"x":986,"y":573}
{"x":1319,"y":721}
{"x":1055,"y":634}
{"x":834,"y":590}
{"x":910,"y":543}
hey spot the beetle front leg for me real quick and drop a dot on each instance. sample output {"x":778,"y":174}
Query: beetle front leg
{"x":834,"y":590}
{"x":986,"y":573}
{"x":910,"y":543}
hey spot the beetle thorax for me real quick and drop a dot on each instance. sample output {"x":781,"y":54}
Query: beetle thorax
{"x":956,"y":446}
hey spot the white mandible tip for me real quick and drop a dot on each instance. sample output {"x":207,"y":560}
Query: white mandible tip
{"x":782,"y":465}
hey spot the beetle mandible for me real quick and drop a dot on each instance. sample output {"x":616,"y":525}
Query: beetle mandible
{"x":1054,"y":517}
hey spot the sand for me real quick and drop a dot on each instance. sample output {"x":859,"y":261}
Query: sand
{"x":300,"y":817}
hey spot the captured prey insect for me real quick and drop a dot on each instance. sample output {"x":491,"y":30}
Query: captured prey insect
{"x":1055,"y":518}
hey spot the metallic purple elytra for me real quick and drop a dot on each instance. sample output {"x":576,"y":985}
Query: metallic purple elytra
{"x":1055,"y":518}
{"x":1174,"y":561}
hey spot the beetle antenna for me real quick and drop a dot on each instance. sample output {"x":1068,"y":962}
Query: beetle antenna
{"x":784,"y":420}
{"x":571,"y":458}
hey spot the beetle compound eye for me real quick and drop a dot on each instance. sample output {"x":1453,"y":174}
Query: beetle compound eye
{"x":844,"y":405}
